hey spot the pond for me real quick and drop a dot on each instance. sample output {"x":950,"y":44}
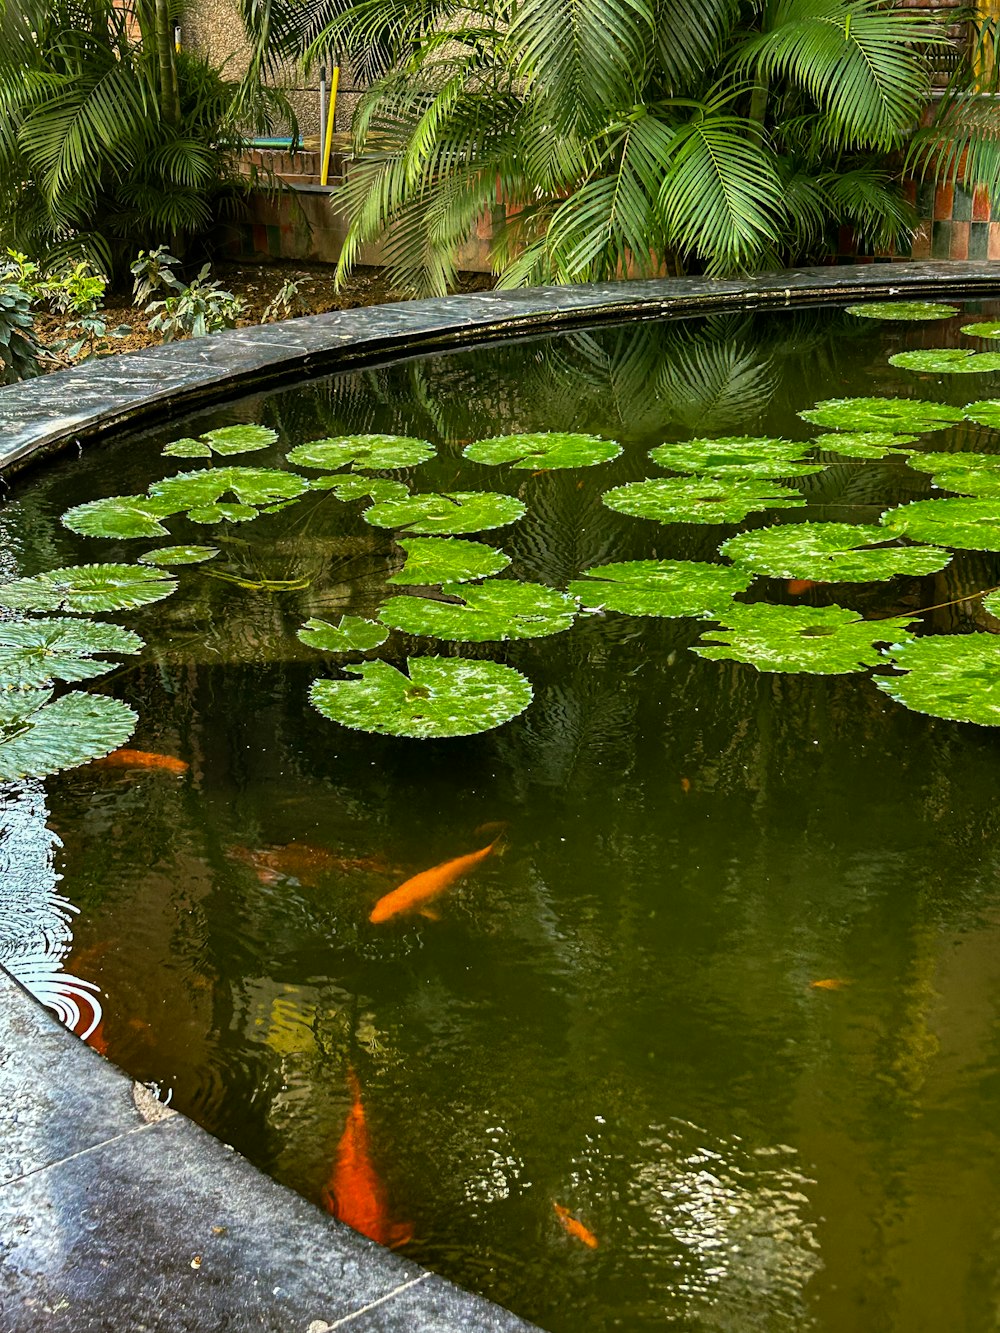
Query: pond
{"x":700,"y":1028}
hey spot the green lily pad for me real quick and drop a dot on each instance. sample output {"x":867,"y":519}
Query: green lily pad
{"x":902,"y":310}
{"x":361,"y":488}
{"x":362,"y":453}
{"x":489,"y":613}
{"x":745,"y":455}
{"x":452,"y":512}
{"x":865,"y":444}
{"x":991,"y":602}
{"x":700,"y":499}
{"x":38,"y":737}
{"x":447,"y":560}
{"x":225,"y":440}
{"x":88,"y":588}
{"x":898,"y":415}
{"x":830,"y":553}
{"x":824,"y":640}
{"x":660,"y":587}
{"x":948,"y":361}
{"x":969,"y":525}
{"x":543,"y":451}
{"x":222,"y":512}
{"x":442,"y":696}
{"x":119,"y":516}
{"x":987,"y":329}
{"x":354,"y":634}
{"x":33,"y":653}
{"x":955,"y":676}
{"x":967,"y":473}
{"x":201,"y":493}
{"x":986,"y":412}
{"x":178,"y":555}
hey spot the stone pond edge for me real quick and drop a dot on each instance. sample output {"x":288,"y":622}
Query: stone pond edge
{"x":97,"y":1178}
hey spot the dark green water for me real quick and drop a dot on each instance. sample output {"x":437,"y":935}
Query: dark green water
{"x":616,"y":1014}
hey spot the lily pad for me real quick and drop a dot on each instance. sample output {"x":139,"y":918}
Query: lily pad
{"x":986,"y":412}
{"x":447,"y":560}
{"x":442,"y":696}
{"x":967,"y":473}
{"x":40,"y":736}
{"x":902,"y":310}
{"x":178,"y":555}
{"x":35,"y":652}
{"x":225,"y":440}
{"x":824,"y":640}
{"x":898,"y":415}
{"x":202,"y":493}
{"x":494,"y":611}
{"x":88,"y":588}
{"x":743,"y":455}
{"x":454,"y":511}
{"x":948,"y":361}
{"x":362,"y":453}
{"x":967,"y":524}
{"x":361,"y":488}
{"x":354,"y":634}
{"x":987,"y":329}
{"x":865,"y":444}
{"x":955,"y":676}
{"x":700,"y":499}
{"x":660,"y":587}
{"x":830,"y":553}
{"x":543,"y":451}
{"x":119,"y":516}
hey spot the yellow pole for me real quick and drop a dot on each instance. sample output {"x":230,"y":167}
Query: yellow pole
{"x":334,"y":80}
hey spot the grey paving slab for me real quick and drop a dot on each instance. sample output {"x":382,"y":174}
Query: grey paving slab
{"x":430,"y":1306}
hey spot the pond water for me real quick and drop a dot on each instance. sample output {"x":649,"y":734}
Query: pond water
{"x":726,"y":987}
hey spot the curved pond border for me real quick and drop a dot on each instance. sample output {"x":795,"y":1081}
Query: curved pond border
{"x":116,"y":1212}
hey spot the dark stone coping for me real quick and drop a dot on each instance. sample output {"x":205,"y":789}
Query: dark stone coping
{"x":114,"y":1211}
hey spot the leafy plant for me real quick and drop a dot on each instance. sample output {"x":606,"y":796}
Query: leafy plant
{"x":952,"y":676}
{"x":224,"y":440}
{"x":286,"y":303}
{"x":488,"y":613}
{"x":864,"y":444}
{"x":972,"y":525}
{"x":20,"y":352}
{"x":452,"y":512}
{"x":353,"y":635}
{"x":119,"y":516}
{"x":660,"y":587}
{"x":33,"y":653}
{"x":151,"y":271}
{"x":699,"y":499}
{"x":198,"y":308}
{"x":88,"y":588}
{"x":543,"y":450}
{"x":903,"y":310}
{"x":830,"y":553}
{"x":882,"y":414}
{"x":967,"y":473}
{"x":363,"y":453}
{"x":178,"y":555}
{"x":432,"y":560}
{"x":741,"y":455}
{"x":826,"y":640}
{"x":948,"y":361}
{"x":39,"y":735}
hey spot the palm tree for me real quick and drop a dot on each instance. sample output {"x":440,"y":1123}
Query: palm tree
{"x":623,"y":136}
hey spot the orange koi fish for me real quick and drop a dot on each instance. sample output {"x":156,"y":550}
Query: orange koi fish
{"x":414,"y":893}
{"x":573,"y":1227}
{"x":354,"y":1192}
{"x":143,"y":759}
{"x":798,"y":586}
{"x":685,"y":785}
{"x":829,"y":983}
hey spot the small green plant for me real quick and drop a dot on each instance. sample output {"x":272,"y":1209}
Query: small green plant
{"x":199,"y":308}
{"x":24,"y":273}
{"x":151,"y":271}
{"x":20,"y":352}
{"x":286,"y":303}
{"x":78,"y":291}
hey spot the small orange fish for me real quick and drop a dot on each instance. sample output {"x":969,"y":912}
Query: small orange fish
{"x":573,"y":1227}
{"x":354,"y":1192}
{"x":798,"y":586}
{"x":143,"y":759}
{"x":829,"y":983}
{"x":685,"y":785}
{"x":413,"y":894}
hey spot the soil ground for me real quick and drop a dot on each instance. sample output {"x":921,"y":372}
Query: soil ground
{"x":256,"y":285}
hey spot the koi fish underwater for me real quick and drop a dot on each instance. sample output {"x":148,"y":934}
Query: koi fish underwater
{"x":305,"y":863}
{"x":143,"y":759}
{"x":575,"y":1228}
{"x":354,"y":1193}
{"x":414,"y":894}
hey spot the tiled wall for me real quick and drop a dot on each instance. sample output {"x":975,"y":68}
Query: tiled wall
{"x":956,"y":223}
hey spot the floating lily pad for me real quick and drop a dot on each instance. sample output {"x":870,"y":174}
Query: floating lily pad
{"x":955,"y":676}
{"x":743,"y":455}
{"x":969,"y":525}
{"x":992,"y":603}
{"x":88,"y":588}
{"x":986,"y":412}
{"x":660,"y":587}
{"x":948,"y":361}
{"x":865,"y":444}
{"x":119,"y":516}
{"x":38,"y":737}
{"x":490,"y":613}
{"x":354,"y":634}
{"x":362,"y":453}
{"x":225,"y":440}
{"x":967,"y":473}
{"x":442,"y":696}
{"x":35,"y":652}
{"x":824,"y":640}
{"x":178,"y":555}
{"x":902,"y":310}
{"x":455,"y":511}
{"x":543,"y":451}
{"x":377,"y":489}
{"x":201,"y":492}
{"x":898,"y":415}
{"x":830,"y":553}
{"x":700,"y":499}
{"x":987,"y":329}
{"x":447,"y":560}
